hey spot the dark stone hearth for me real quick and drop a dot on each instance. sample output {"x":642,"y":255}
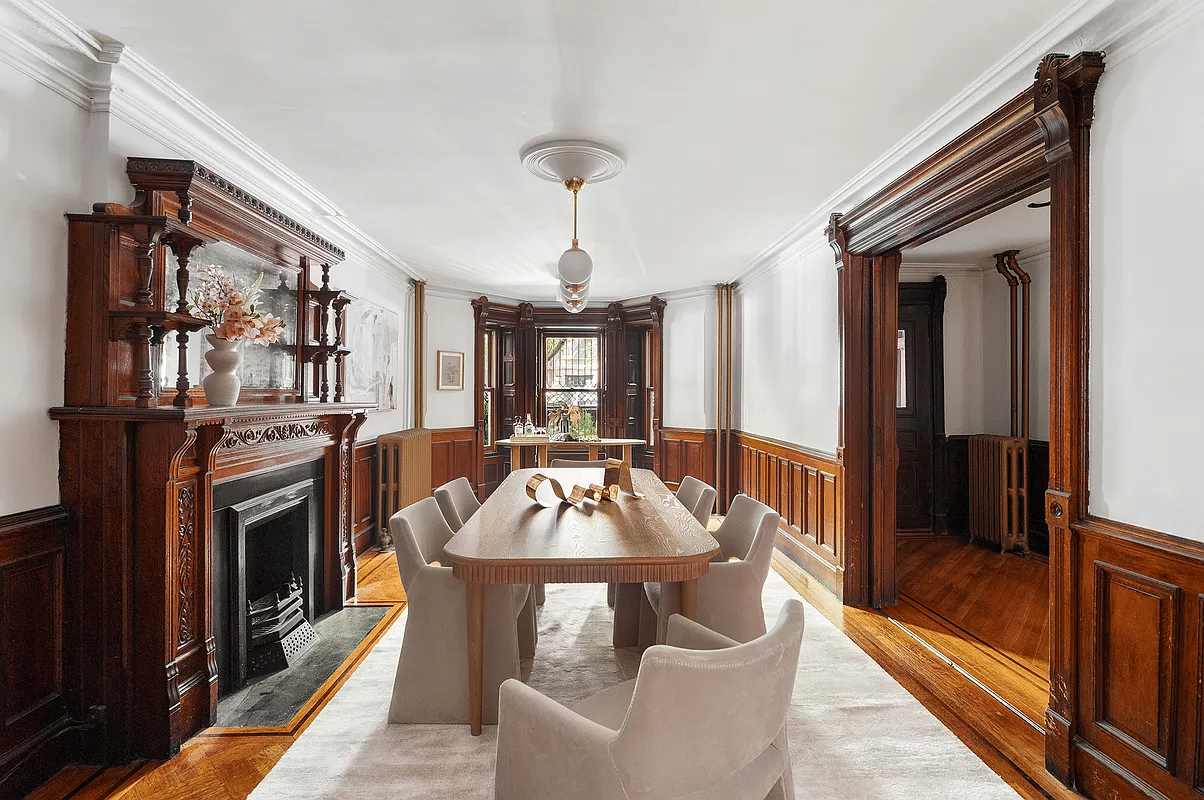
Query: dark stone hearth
{"x":274,"y":699}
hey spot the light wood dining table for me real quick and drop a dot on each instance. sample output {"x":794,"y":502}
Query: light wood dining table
{"x":513,"y":539}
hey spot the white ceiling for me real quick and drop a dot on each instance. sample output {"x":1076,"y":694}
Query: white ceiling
{"x":1014,"y":227}
{"x":737,"y":119}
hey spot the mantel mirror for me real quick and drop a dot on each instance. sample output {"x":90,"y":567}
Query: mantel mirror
{"x":271,"y":367}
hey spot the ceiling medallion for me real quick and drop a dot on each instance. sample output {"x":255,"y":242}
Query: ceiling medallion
{"x":573,"y":163}
{"x":561,"y":159}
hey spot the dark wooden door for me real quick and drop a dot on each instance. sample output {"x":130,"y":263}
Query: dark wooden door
{"x":919,"y":401}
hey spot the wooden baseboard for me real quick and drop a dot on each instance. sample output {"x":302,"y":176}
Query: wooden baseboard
{"x":829,"y":575}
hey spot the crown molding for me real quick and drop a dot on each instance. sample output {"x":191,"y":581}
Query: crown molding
{"x":467,"y":295}
{"x":42,"y":44}
{"x":104,"y":76}
{"x":1121,"y":28}
{"x":674,"y":295}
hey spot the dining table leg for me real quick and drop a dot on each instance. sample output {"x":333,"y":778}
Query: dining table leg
{"x":476,"y":653}
{"x":689,"y":599}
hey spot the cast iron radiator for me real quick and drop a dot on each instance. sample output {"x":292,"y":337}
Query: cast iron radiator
{"x":998,"y":494}
{"x":405,"y":474}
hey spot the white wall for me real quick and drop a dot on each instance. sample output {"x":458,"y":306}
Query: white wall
{"x":1147,"y":329}
{"x":963,"y":354}
{"x":789,"y":357}
{"x":690,"y":331}
{"x":977,"y":355}
{"x":996,"y":355}
{"x":354,"y":277}
{"x":449,"y":326}
{"x":41,"y":177}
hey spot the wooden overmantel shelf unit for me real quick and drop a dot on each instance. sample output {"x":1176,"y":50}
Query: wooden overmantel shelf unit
{"x":141,"y":461}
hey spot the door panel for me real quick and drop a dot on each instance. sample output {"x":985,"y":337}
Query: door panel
{"x":914,"y":418}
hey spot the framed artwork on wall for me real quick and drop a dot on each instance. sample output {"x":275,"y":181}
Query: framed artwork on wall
{"x":450,"y":365}
{"x":372,"y":334}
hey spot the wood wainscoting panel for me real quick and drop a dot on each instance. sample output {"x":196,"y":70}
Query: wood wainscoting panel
{"x":1139,"y":645}
{"x":1135,"y":623}
{"x":363,"y":507}
{"x":804,"y":487}
{"x":32,"y":707}
{"x":453,"y":455}
{"x":686,"y":451}
{"x":1198,"y":631}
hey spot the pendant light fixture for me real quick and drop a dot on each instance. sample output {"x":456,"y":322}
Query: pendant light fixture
{"x":572,"y":163}
{"x":575,"y":266}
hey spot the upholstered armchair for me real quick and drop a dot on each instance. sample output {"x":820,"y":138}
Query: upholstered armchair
{"x":698,"y":497}
{"x":627,"y":599}
{"x":432,"y":673}
{"x":729,"y":594}
{"x":457,"y":502}
{"x":705,"y":718}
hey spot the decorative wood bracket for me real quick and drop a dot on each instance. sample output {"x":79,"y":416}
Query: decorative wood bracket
{"x":1064,"y":98}
{"x":836,"y":237}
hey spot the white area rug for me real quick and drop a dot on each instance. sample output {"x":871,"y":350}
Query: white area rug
{"x":854,"y":732}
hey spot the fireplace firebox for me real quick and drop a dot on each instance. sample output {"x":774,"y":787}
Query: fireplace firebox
{"x":268,"y":572}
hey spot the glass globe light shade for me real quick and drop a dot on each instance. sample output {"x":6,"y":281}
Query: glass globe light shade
{"x":575,"y":266}
{"x":574,"y":291}
{"x":566,"y":293}
{"x":573,"y":306}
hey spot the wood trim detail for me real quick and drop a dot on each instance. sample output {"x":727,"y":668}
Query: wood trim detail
{"x":804,"y":487}
{"x":454,"y":454}
{"x":32,"y":703}
{"x":1135,"y":648}
{"x":686,"y":451}
{"x":363,"y":508}
{"x":1140,"y":658}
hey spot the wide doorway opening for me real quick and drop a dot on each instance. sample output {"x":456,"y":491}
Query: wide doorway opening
{"x":972,"y":426}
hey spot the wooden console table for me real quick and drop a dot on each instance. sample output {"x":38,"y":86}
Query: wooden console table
{"x":542,"y":448}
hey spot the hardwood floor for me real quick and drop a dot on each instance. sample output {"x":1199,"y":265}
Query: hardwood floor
{"x":986,"y":611}
{"x":228,"y":763}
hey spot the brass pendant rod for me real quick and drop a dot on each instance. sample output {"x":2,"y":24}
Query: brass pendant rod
{"x":574,"y":185}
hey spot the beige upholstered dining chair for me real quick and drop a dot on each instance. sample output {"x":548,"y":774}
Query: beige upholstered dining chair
{"x":698,"y":497}
{"x":457,"y":502}
{"x":705,"y":718}
{"x":627,"y":598}
{"x":729,"y":594}
{"x":558,"y":463}
{"x":431,"y":684}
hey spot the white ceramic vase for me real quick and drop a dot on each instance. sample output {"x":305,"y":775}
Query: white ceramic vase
{"x":223,"y":384}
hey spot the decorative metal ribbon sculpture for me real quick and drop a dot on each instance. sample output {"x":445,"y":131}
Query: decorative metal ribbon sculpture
{"x":617,"y":479}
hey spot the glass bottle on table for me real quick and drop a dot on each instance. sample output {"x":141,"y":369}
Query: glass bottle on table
{"x":529,"y":428}
{"x":518,"y":426}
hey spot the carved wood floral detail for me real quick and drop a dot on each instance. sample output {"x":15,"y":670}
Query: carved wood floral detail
{"x":186,"y":561}
{"x":276,"y":433}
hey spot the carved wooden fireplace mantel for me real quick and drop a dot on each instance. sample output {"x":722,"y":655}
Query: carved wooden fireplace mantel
{"x":140,"y":456}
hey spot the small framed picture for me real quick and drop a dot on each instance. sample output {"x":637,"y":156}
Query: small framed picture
{"x":451,"y":370}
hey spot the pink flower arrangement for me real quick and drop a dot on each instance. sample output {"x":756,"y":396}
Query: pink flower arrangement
{"x":229,"y":306}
